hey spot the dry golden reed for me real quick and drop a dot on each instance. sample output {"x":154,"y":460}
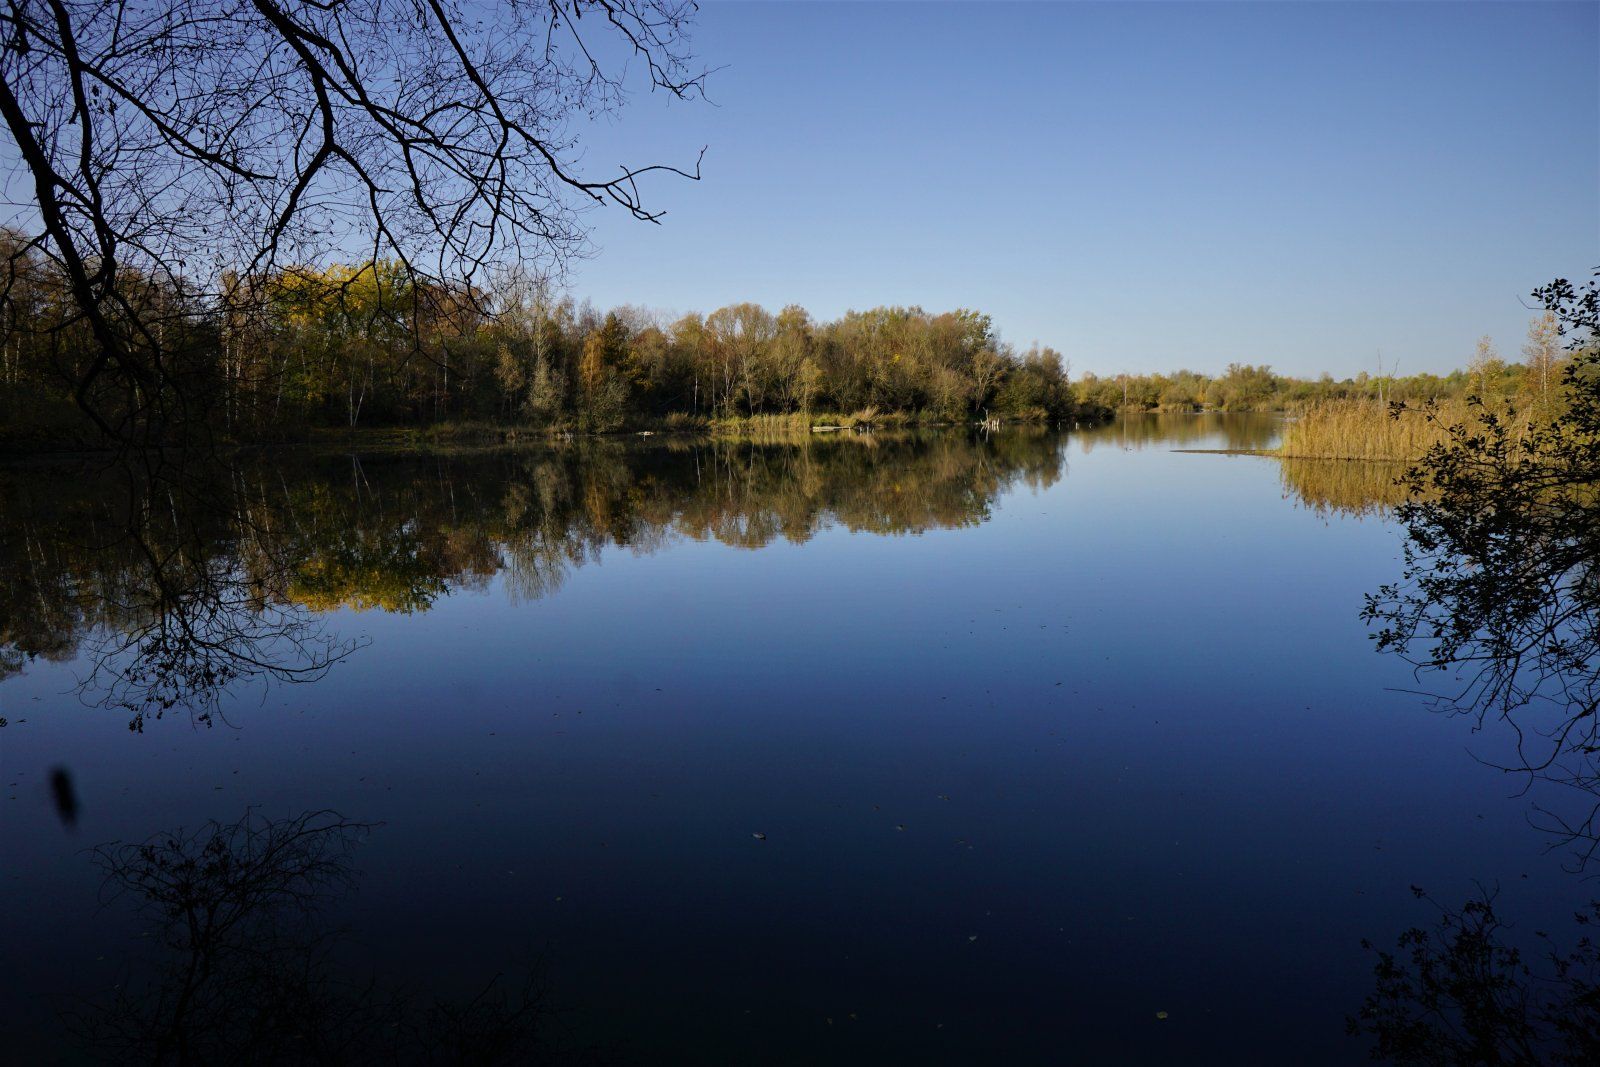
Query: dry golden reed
{"x":1368,"y":430}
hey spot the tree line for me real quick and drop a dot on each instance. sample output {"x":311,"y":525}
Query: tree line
{"x":374,"y":345}
{"x":1535,"y":381}
{"x":356,"y":346}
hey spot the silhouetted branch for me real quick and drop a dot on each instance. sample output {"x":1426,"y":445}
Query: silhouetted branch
{"x":1501,"y":591}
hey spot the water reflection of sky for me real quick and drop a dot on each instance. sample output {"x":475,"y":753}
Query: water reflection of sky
{"x":1142,"y":753}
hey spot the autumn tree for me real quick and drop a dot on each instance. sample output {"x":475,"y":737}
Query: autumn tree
{"x":1486,"y":366}
{"x":605,"y":391}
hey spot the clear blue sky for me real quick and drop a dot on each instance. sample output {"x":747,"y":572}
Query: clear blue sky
{"x":1141,"y":186}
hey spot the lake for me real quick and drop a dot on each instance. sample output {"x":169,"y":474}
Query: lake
{"x":1040,"y":747}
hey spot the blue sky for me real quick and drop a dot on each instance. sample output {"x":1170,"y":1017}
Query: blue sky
{"x":1141,"y":186}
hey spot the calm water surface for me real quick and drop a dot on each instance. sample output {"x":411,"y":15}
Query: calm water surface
{"x":853,"y":749}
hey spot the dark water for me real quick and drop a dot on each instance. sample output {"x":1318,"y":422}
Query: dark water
{"x":851,"y":749}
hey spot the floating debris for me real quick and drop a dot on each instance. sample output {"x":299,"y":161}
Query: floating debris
{"x":759,"y":836}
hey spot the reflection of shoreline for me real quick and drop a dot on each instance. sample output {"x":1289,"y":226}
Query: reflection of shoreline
{"x":178,"y":586}
{"x":1327,"y":486}
{"x":1240,"y":432}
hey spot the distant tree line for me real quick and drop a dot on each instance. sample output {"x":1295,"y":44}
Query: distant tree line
{"x":1536,"y":382}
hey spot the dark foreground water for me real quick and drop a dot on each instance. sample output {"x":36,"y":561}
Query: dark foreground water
{"x":1044,"y":748}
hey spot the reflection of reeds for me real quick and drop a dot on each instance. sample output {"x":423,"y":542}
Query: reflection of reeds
{"x":1345,"y":487}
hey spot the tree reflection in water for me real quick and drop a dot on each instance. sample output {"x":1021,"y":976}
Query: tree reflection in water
{"x":167,"y":580}
{"x":1458,"y":993}
{"x":179,"y":586}
{"x":241,"y":964}
{"x":1231,"y":431}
